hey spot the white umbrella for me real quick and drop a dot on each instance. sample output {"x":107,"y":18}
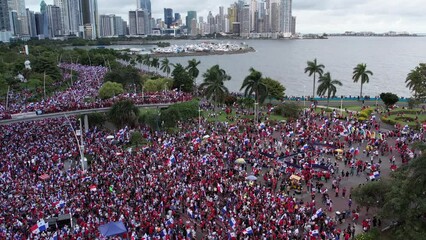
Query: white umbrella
{"x":206,"y":136}
{"x":110,"y":137}
{"x":240,"y":161}
{"x":251,"y":178}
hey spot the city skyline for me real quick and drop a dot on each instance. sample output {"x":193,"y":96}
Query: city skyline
{"x":331,"y":16}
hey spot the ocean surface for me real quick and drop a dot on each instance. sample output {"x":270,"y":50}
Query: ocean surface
{"x":389,"y":58}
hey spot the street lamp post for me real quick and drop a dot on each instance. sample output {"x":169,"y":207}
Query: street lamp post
{"x":199,"y":118}
{"x":341,"y":104}
{"x":80,"y":142}
{"x":180,"y":90}
{"x":255,"y":112}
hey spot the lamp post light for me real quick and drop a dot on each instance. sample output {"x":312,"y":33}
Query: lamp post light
{"x":341,"y":105}
{"x":80,"y":143}
{"x":180,"y":90}
{"x":199,"y":118}
{"x":255,"y":112}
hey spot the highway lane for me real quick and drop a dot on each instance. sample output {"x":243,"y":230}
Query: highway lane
{"x":22,"y":117}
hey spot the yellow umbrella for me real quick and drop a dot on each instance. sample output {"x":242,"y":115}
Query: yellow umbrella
{"x":240,"y":161}
{"x":339,"y":150}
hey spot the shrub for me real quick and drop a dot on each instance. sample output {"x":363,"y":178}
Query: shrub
{"x":389,"y":99}
{"x":230,"y":100}
{"x":289,"y":110}
{"x":110,"y":89}
{"x":136,"y":138}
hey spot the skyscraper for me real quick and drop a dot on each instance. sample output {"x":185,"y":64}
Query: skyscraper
{"x":74,"y":16}
{"x":89,"y":10}
{"x":63,"y":6}
{"x":137,"y":22}
{"x":145,"y":5}
{"x":245,"y":21}
{"x":285,"y":16}
{"x":54,"y":21}
{"x":31,"y":23}
{"x":4,"y":16}
{"x":168,"y":17}
{"x":189,"y":17}
{"x":21,"y":14}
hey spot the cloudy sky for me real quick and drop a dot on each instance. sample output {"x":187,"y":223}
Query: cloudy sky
{"x":313,"y":16}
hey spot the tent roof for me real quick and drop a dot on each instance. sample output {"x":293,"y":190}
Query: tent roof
{"x":112,"y":229}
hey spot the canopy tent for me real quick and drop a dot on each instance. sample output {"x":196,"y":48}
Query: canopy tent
{"x":112,"y":229}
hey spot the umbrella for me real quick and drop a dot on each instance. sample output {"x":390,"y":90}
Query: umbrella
{"x":240,"y":161}
{"x":251,"y":178}
{"x":110,"y":137}
{"x":206,"y":136}
{"x":339,"y":150}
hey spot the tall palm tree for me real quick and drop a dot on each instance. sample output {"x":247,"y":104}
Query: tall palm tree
{"x":139,"y":59}
{"x":253,"y":84}
{"x":213,"y":86}
{"x":361,"y":73}
{"x":327,"y":85}
{"x":165,"y":66}
{"x":314,"y":68}
{"x":416,"y":82}
{"x":192,"y":68}
{"x":155,"y":62}
{"x":147,"y":60}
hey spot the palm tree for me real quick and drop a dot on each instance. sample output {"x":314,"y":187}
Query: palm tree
{"x":314,"y":68}
{"x":165,"y":66}
{"x":139,"y":59}
{"x":361,"y":73}
{"x":192,"y":68}
{"x":327,"y":85}
{"x":415,"y":82}
{"x":213,"y":86}
{"x":123,"y":113}
{"x":147,"y":60}
{"x":253,"y":84}
{"x":155,"y":62}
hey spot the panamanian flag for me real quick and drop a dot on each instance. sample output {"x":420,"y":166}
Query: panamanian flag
{"x":39,"y":227}
{"x":59,"y":204}
{"x":248,"y":231}
{"x":232,"y":222}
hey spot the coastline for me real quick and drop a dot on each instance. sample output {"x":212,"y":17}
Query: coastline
{"x":186,"y":54}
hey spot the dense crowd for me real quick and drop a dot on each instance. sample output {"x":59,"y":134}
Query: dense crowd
{"x":82,"y":94}
{"x":187,"y":184}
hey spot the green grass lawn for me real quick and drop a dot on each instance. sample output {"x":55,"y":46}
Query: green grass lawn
{"x":222,"y":117}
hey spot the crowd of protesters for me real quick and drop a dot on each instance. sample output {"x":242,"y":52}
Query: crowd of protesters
{"x":187,"y":184}
{"x":82,"y":94}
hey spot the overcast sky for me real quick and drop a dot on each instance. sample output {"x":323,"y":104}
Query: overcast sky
{"x":313,"y":16}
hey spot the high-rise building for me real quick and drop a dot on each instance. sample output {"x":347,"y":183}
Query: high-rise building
{"x":54,"y":21}
{"x":168,"y":17}
{"x":75,"y":18}
{"x":4,"y":16}
{"x":90,"y":18}
{"x":21,"y":16}
{"x":137,"y":22}
{"x":221,"y":20}
{"x":293,"y":25}
{"x":63,"y":5}
{"x":189,"y":17}
{"x":232,"y":17}
{"x":105,"y":27}
{"x":118,"y":26}
{"x":245,"y":21}
{"x":275,"y":17}
{"x":146,"y":6}
{"x":31,"y":23}
{"x":285,"y":16}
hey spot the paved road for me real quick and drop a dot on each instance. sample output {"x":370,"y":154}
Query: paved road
{"x":32,"y":116}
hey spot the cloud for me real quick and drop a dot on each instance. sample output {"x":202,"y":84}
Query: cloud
{"x":312,"y":15}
